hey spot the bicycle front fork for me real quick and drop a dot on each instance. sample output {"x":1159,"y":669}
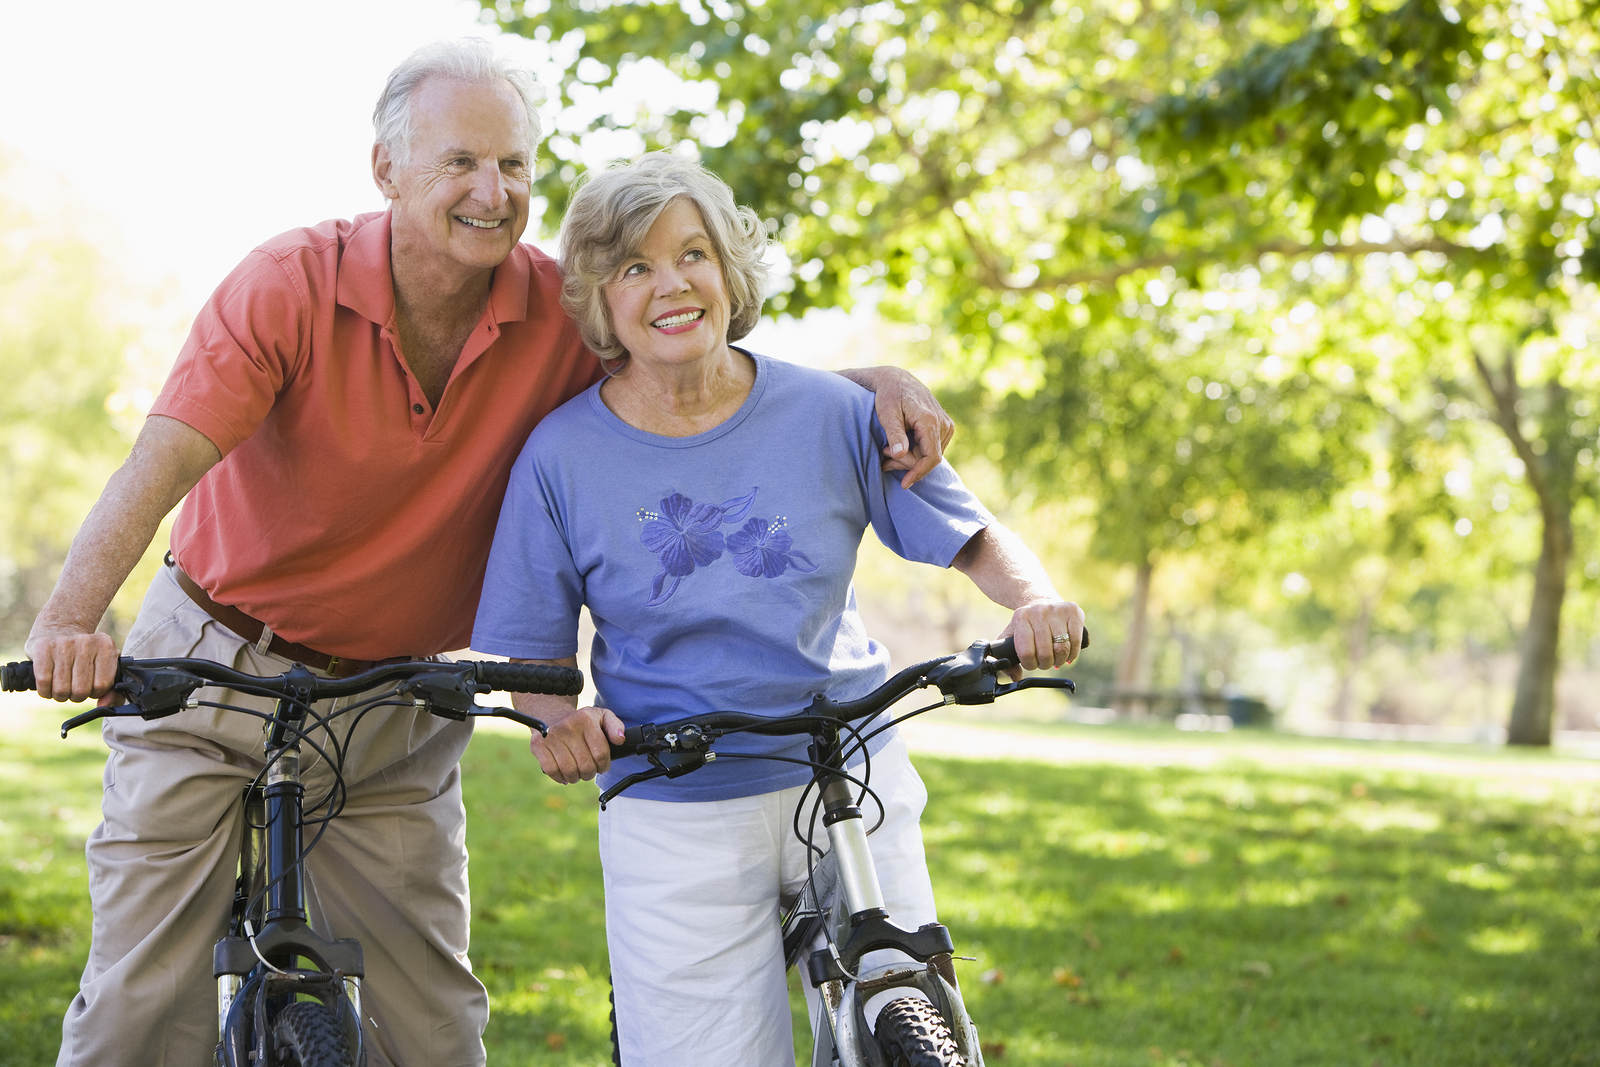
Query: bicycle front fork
{"x":844,"y":990}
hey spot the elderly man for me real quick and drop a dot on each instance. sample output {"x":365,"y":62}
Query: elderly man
{"x":342,"y":420}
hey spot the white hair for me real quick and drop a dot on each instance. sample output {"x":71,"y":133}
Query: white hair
{"x":469,"y":59}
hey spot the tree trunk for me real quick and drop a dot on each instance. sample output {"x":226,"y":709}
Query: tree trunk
{"x":1357,"y":640}
{"x":1551,"y":470}
{"x":1533,"y":708}
{"x":1133,"y":665}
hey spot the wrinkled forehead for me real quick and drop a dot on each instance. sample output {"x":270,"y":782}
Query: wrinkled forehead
{"x":449,"y":113}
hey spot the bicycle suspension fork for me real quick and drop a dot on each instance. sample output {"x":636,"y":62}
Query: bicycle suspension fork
{"x":847,"y":835}
{"x":270,"y":858}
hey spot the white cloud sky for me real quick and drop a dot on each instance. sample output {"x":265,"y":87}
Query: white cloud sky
{"x":203,"y":128}
{"x":200,"y":128}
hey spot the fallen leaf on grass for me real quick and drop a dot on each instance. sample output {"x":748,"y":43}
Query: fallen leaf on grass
{"x":1257,"y":967}
{"x":555,"y":802}
{"x":1155,"y":1052}
{"x":1174,"y":955}
{"x":994,"y":1050}
{"x":1064,"y":976}
{"x":1089,"y":938}
{"x":1341,"y":900}
{"x":556,"y":1041}
{"x":1423,"y":935}
{"x":1420,"y":1011}
{"x":1359,"y":789}
{"x":994,"y":977}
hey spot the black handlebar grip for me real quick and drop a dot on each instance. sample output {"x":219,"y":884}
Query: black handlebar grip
{"x":532,"y":678}
{"x":1006,"y":651}
{"x":630,"y":742}
{"x":17,"y":677}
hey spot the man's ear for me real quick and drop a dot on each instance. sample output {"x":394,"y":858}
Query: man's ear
{"x":382,"y":169}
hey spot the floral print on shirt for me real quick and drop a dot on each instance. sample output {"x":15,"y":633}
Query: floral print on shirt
{"x":685,"y":536}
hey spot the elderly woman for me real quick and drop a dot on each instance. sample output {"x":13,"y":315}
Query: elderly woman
{"x":707,"y":504}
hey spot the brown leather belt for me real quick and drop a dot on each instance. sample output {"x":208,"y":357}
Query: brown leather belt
{"x":251,"y":630}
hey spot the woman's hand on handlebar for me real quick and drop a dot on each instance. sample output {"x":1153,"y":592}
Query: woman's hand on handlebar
{"x":1036,"y":627}
{"x":579,"y":744}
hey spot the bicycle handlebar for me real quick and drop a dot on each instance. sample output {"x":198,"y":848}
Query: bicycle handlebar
{"x":154,"y":688}
{"x":967,"y":677}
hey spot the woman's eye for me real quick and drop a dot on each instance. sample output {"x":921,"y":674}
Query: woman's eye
{"x":694,"y":254}
{"x":633,"y":269}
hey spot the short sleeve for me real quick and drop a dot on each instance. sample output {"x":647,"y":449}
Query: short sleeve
{"x":532,"y":591}
{"x":931,"y":521}
{"x":244,"y":345}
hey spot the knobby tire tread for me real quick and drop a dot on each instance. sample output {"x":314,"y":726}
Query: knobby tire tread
{"x":310,"y":1030}
{"x":912,"y":1033}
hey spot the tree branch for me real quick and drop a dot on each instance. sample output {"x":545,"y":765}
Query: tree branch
{"x":1505,"y":394}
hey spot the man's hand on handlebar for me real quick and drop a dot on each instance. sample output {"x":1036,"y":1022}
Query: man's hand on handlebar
{"x":579,"y":744}
{"x":1036,"y":628}
{"x":73,"y":666}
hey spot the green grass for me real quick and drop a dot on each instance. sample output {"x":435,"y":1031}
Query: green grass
{"x":1269,"y":914}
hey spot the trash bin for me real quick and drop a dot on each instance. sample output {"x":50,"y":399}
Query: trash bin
{"x":1249,"y":711}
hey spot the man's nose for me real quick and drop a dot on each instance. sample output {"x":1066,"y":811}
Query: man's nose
{"x":489,"y":186}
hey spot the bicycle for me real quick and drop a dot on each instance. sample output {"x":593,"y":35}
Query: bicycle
{"x":839,"y":915}
{"x":285,"y":994}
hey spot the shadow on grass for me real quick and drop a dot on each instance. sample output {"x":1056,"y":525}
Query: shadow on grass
{"x":1138,"y":916}
{"x":1126,"y":915}
{"x":1120,"y":915}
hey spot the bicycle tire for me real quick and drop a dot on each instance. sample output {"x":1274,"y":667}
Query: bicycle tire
{"x":912,"y":1033}
{"x":309,"y":1031}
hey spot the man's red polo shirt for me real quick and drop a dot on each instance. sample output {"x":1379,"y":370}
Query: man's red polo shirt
{"x":348,"y":514}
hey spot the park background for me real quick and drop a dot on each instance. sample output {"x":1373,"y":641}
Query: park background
{"x":1271,"y":325}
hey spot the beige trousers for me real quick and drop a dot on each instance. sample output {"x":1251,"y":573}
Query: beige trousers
{"x":391,"y":870}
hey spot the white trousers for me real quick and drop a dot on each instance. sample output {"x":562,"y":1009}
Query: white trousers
{"x":390,"y":871}
{"x":693,"y":893}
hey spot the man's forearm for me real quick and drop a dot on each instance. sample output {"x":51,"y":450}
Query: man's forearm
{"x":166,"y":461}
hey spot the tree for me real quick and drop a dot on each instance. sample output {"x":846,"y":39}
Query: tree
{"x":971,"y":160}
{"x":61,"y":359}
{"x":1052,"y":182}
{"x":1463,"y":138}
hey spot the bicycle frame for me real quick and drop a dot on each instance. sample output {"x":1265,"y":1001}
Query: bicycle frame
{"x":271,"y":958}
{"x":857,"y":923}
{"x":255,"y":964}
{"x":840,"y":915}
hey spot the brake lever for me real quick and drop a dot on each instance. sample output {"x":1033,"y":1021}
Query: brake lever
{"x":1037,"y":683}
{"x":629,"y":782}
{"x":667,"y":762}
{"x":107,"y":712}
{"x":514,"y":715}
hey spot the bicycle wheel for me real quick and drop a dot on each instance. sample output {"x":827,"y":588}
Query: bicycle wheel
{"x":912,"y":1033}
{"x":311,"y":1035}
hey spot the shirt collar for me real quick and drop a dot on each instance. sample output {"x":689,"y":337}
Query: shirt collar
{"x":366,"y":280}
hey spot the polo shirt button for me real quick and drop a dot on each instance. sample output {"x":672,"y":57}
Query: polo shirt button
{"x":417,"y":408}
